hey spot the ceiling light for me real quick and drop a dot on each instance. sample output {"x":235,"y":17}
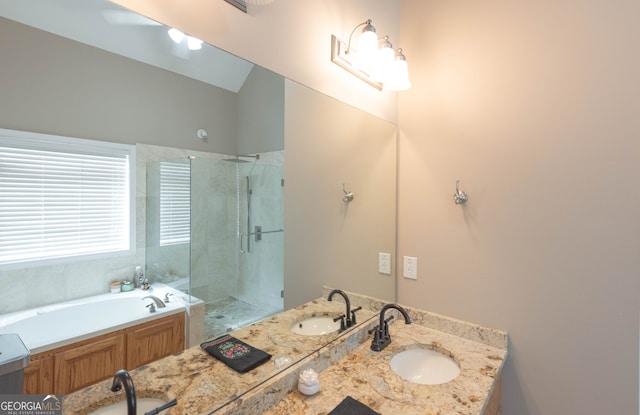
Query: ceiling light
{"x":176,"y":35}
{"x":193,"y":43}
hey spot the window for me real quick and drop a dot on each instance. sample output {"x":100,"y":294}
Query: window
{"x":175,"y":203}
{"x":63,"y":198}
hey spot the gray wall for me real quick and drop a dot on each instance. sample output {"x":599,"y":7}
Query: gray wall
{"x":261,"y":112}
{"x":57,"y":86}
{"x":327,"y":241}
{"x":534,"y":107}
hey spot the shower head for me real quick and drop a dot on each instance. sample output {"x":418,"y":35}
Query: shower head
{"x":240,"y":160}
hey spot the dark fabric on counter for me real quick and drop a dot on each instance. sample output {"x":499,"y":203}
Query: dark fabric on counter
{"x":350,"y":406}
{"x":235,"y":353}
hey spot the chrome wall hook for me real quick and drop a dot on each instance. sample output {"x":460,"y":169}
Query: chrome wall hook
{"x":348,"y":196}
{"x":459,"y":197}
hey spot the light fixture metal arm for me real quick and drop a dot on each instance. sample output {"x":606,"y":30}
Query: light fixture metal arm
{"x":367,"y":23}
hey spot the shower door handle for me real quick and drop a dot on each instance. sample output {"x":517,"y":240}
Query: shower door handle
{"x":258,"y":234}
{"x":242,"y":235}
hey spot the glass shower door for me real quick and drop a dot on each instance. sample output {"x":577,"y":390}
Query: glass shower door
{"x":261,"y":263}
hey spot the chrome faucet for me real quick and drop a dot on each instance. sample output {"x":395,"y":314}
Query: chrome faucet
{"x":381,"y":338}
{"x":159,"y":302}
{"x":351,"y":315}
{"x":120,"y":379}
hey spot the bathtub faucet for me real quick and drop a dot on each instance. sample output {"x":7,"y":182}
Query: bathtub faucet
{"x":159,"y":302}
{"x":120,"y":379}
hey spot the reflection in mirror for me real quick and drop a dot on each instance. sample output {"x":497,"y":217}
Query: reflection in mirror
{"x":189,"y":238}
{"x":202,"y":212}
{"x":159,"y":101}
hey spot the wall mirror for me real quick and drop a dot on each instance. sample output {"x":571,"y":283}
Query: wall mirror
{"x":132,"y":89}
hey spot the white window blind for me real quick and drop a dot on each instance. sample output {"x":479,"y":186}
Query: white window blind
{"x":175,"y":203}
{"x":62,"y":197}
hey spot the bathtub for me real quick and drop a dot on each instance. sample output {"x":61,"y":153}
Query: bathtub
{"x":48,"y":327}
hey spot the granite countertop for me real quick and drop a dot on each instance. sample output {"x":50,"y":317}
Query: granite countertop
{"x":201,"y":383}
{"x":345,"y":363}
{"x":366,"y":376}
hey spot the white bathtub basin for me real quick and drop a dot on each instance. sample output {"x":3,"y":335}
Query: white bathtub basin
{"x":45,"y":328}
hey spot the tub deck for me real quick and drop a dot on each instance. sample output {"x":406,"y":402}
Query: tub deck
{"x":49,"y":327}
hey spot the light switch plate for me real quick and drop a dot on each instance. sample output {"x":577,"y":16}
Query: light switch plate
{"x":410,"y":268}
{"x":384,"y":263}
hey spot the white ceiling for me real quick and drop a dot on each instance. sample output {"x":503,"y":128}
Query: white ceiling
{"x":107,"y":26}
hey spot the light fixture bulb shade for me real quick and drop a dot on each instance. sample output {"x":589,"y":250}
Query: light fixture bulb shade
{"x":398,"y":76}
{"x":384,"y":59}
{"x":194,"y":43}
{"x":176,"y":35}
{"x":367,"y":48}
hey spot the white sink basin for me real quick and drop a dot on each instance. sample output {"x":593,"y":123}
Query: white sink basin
{"x":316,"y":326}
{"x":142,"y":405}
{"x":424,"y":366}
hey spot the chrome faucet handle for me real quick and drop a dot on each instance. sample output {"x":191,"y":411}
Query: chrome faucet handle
{"x":151,"y":307}
{"x":158,"y":302}
{"x":166,"y":297}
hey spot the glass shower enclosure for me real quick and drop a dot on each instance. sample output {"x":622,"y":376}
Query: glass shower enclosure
{"x":214,"y":230}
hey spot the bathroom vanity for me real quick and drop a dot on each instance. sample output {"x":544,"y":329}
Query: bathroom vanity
{"x":367,"y":376}
{"x":344,"y":361}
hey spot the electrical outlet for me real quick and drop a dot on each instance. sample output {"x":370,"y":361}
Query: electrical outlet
{"x":410,"y":267}
{"x":384,"y":263}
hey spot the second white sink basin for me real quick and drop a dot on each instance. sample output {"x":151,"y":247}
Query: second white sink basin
{"x":316,"y":326}
{"x":142,"y":405}
{"x":424,"y":366}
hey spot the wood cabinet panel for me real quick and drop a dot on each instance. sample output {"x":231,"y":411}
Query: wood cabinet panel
{"x":86,"y":364}
{"x":154,"y":340}
{"x":69,"y":368}
{"x":38,"y":375}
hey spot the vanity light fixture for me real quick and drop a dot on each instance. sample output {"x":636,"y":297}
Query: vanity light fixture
{"x":192,"y":42}
{"x":374,"y":61}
